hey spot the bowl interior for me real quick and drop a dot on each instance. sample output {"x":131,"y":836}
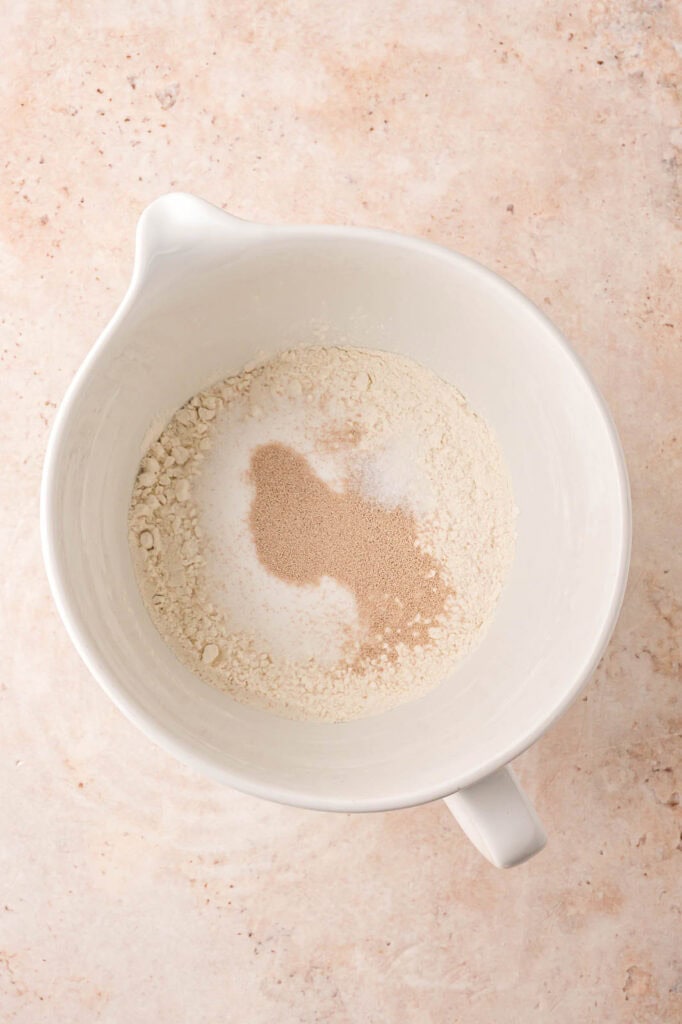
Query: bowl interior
{"x":188,"y":325}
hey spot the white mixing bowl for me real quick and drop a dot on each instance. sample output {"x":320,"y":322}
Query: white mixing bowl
{"x":208,"y":293}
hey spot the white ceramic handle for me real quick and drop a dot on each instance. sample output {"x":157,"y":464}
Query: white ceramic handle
{"x":499,"y":819}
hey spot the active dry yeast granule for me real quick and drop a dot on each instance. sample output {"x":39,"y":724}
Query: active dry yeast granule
{"x":324,"y":534}
{"x":304,"y":530}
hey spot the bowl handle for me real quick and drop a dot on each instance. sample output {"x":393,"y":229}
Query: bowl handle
{"x":499,"y":819}
{"x":183,"y":229}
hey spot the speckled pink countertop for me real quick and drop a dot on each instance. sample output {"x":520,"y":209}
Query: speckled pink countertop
{"x":541,"y":139}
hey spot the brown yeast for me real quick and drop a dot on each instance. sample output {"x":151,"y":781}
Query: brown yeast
{"x":304,"y":530}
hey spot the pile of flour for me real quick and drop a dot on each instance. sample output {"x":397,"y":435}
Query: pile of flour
{"x":369,"y":434}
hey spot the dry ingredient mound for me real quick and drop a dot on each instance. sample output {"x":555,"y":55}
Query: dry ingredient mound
{"x":324,"y":534}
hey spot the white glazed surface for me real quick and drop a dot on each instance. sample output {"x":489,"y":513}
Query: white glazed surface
{"x":210,"y":292}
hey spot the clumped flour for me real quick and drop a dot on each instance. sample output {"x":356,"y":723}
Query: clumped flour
{"x":324,"y":534}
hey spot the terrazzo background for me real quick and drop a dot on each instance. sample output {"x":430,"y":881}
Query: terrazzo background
{"x":542,"y":139}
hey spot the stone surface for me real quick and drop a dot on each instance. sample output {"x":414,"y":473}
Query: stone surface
{"x":543,"y":140}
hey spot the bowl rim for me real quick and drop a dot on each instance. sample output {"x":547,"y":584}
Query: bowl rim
{"x":183,"y":749}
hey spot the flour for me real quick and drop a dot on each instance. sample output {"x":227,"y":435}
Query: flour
{"x":385,"y":438}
